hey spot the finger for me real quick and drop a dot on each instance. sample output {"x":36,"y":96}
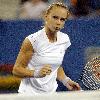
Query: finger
{"x":69,"y":87}
{"x":47,"y":66}
{"x":74,"y":85}
{"x":78,"y":87}
{"x":47,"y":72}
{"x":47,"y":69}
{"x":43,"y":75}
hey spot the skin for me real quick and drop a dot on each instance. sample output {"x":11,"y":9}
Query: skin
{"x":54,"y":21}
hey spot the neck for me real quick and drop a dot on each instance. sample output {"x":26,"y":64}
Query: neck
{"x":52,"y":36}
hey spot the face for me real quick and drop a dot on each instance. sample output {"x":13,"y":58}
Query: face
{"x":55,"y":19}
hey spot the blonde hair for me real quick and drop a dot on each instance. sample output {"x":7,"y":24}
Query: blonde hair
{"x":59,"y":4}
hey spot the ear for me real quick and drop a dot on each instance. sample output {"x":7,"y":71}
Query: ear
{"x":44,"y":16}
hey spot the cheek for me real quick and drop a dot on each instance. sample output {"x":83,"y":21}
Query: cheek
{"x":62,"y":24}
{"x":51,"y":22}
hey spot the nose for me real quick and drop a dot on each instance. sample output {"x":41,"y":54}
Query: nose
{"x":58,"y":22}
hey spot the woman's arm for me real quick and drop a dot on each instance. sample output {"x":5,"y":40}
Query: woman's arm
{"x":24,"y":56}
{"x":71,"y":85}
{"x":22,"y":60}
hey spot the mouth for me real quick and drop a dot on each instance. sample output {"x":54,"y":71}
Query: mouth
{"x":57,"y":28}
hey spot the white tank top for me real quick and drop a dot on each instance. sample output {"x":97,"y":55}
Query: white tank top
{"x":45,"y":53}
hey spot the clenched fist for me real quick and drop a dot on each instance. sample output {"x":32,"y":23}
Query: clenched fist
{"x":45,"y":70}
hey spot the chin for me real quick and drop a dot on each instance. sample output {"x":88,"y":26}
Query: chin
{"x":54,"y":30}
{"x":57,"y":30}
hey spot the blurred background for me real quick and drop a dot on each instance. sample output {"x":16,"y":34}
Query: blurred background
{"x":12,"y":9}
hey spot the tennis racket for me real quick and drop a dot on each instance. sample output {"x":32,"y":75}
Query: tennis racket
{"x":91,"y":74}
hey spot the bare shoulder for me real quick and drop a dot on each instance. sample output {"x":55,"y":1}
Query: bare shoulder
{"x":26,"y":45}
{"x":23,"y":58}
{"x":25,"y":53}
{"x":64,"y":36}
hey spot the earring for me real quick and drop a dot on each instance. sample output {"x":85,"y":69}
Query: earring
{"x":63,"y":27}
{"x":46,"y":22}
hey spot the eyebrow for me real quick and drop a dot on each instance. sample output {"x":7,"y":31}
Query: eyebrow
{"x":58,"y":16}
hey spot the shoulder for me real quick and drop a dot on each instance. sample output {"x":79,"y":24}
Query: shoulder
{"x":35,"y":35}
{"x":26,"y":45}
{"x":63,"y":36}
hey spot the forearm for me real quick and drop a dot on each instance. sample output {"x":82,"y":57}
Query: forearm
{"x":60,"y":74}
{"x":71,"y":85}
{"x":22,"y":72}
{"x":23,"y":58}
{"x":62,"y":77}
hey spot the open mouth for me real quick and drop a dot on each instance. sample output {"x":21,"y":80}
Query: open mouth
{"x":57,"y":28}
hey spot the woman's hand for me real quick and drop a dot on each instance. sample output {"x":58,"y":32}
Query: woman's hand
{"x":45,"y":70}
{"x":72,"y":86}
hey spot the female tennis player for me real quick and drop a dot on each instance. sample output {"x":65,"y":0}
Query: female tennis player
{"x":41,"y":54}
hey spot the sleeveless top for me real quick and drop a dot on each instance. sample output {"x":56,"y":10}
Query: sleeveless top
{"x":45,"y":53}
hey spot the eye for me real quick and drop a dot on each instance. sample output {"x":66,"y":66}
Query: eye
{"x":55,"y":17}
{"x":62,"y":19}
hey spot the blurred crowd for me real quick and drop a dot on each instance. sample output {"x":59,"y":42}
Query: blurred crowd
{"x":34,"y":9}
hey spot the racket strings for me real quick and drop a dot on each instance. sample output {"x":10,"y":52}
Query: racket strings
{"x":94,"y":67}
{"x":91,"y":74}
